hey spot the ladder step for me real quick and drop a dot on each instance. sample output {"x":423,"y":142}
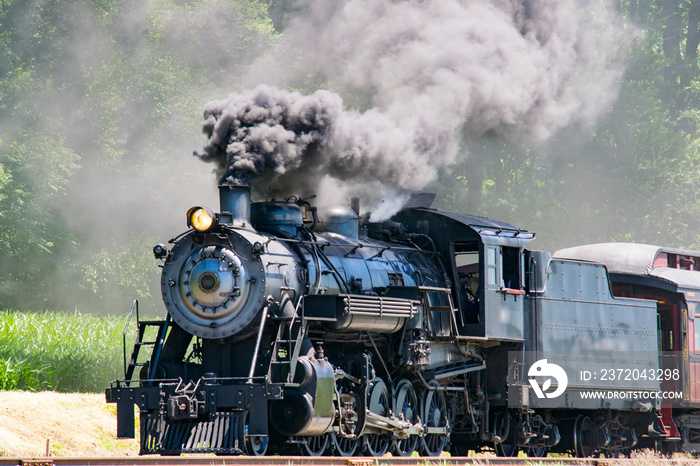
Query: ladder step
{"x":158,"y":323}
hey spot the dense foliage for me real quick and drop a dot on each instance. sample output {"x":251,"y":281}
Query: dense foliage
{"x":100,"y":107}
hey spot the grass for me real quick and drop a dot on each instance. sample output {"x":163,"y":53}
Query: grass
{"x":60,"y":351}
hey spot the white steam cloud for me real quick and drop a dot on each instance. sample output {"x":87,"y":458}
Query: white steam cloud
{"x":435,"y":73}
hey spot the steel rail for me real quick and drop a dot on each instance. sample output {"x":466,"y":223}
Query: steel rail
{"x":204,"y":460}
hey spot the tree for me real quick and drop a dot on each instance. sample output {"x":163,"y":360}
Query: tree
{"x":100,"y":109}
{"x":633,"y":177}
{"x":33,"y":176}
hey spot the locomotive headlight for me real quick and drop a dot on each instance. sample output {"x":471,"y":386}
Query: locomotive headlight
{"x":200,"y":218}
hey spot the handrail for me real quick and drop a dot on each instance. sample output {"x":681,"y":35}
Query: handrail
{"x":354,"y":246}
{"x":258,"y":340}
{"x":135,"y":306}
{"x":294,"y":352}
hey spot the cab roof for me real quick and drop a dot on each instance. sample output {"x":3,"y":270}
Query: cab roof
{"x":459,"y":227}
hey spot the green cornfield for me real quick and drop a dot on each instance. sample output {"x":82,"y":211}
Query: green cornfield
{"x":64,"y":352}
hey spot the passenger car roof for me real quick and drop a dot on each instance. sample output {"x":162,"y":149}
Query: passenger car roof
{"x":639,"y":260}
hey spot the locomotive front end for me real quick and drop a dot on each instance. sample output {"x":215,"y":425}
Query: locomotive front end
{"x":286,"y":329}
{"x":214,"y":281}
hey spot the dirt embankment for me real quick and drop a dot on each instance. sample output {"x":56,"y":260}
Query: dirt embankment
{"x":69,"y":424}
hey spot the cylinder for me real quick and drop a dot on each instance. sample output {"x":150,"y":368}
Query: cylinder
{"x":293,"y":413}
{"x":307,"y":409}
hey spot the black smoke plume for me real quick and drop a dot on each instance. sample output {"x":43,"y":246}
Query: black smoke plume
{"x":436,"y":75}
{"x":270,"y":137}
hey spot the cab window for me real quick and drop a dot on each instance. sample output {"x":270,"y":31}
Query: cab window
{"x":512,"y":266}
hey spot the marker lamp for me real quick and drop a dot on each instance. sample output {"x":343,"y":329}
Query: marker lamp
{"x":200,"y":218}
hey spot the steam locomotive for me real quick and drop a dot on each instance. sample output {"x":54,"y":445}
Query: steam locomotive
{"x":433,"y":331}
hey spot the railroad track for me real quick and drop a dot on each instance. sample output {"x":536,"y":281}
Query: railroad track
{"x":327,"y":461}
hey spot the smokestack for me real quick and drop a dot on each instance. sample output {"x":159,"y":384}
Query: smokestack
{"x":234,"y":201}
{"x":355,"y":204}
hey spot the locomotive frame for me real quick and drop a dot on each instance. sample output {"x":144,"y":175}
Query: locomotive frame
{"x":287,"y":333}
